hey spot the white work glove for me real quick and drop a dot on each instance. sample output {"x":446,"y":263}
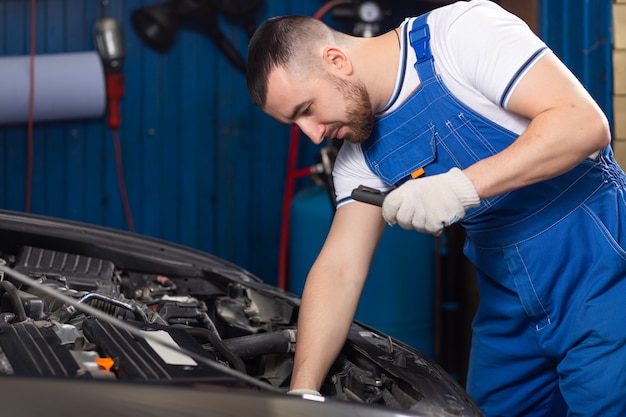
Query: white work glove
{"x":304,"y":391}
{"x":429,"y":204}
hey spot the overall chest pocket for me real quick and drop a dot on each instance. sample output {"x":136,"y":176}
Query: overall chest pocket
{"x":411,"y":148}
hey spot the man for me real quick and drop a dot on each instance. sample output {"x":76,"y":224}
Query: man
{"x":467,"y":117}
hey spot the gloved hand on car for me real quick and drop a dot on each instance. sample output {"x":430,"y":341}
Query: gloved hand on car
{"x":431,"y":203}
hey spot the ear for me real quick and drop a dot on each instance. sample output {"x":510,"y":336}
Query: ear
{"x":335,"y":59}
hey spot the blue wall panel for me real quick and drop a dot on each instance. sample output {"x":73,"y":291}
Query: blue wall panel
{"x":203,"y":167}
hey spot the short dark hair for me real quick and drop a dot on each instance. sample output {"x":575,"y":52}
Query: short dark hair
{"x":274,"y":44}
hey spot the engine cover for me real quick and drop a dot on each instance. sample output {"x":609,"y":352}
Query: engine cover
{"x":30,"y":348}
{"x":138,"y":359}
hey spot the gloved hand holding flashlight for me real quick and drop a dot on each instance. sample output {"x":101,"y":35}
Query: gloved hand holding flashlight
{"x":429,"y":204}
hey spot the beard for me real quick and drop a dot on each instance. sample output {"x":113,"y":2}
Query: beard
{"x":358,"y":110}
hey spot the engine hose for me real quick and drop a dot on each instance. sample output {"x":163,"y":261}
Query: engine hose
{"x":282,"y":341}
{"x":206,"y":335}
{"x":16,"y":302}
{"x":208,"y":323}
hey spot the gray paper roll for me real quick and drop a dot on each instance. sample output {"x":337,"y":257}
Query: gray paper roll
{"x":67,"y":86}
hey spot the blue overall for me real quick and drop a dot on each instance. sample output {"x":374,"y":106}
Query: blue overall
{"x":550,"y":332}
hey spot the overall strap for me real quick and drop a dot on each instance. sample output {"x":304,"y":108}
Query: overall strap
{"x":419,"y":38}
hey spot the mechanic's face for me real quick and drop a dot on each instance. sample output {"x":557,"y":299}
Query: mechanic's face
{"x":322,"y":107}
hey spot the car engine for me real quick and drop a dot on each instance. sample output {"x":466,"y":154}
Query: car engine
{"x":231,"y":325}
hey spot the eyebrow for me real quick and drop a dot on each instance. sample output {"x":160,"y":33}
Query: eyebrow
{"x":297,"y":110}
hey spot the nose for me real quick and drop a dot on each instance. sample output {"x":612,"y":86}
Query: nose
{"x":315,"y":131}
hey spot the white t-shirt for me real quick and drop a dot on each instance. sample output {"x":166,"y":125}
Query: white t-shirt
{"x":481,"y":51}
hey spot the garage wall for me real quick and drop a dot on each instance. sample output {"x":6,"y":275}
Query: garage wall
{"x":203,"y":167}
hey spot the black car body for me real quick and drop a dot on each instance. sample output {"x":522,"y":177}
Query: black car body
{"x":105,"y":322}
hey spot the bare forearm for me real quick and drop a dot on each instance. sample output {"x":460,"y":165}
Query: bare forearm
{"x":332,"y":291}
{"x":325,"y":317}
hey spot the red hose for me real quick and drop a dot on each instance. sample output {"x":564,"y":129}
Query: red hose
{"x":328,"y":6}
{"x":286,"y":209}
{"x":120,"y":179}
{"x":292,"y":174}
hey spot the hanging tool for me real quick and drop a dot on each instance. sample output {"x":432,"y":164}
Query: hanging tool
{"x":110,"y":46}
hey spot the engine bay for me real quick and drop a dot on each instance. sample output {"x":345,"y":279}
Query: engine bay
{"x":42,"y":336}
{"x":210,"y":316}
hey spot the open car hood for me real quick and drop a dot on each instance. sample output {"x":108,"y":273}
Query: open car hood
{"x":112,"y":313}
